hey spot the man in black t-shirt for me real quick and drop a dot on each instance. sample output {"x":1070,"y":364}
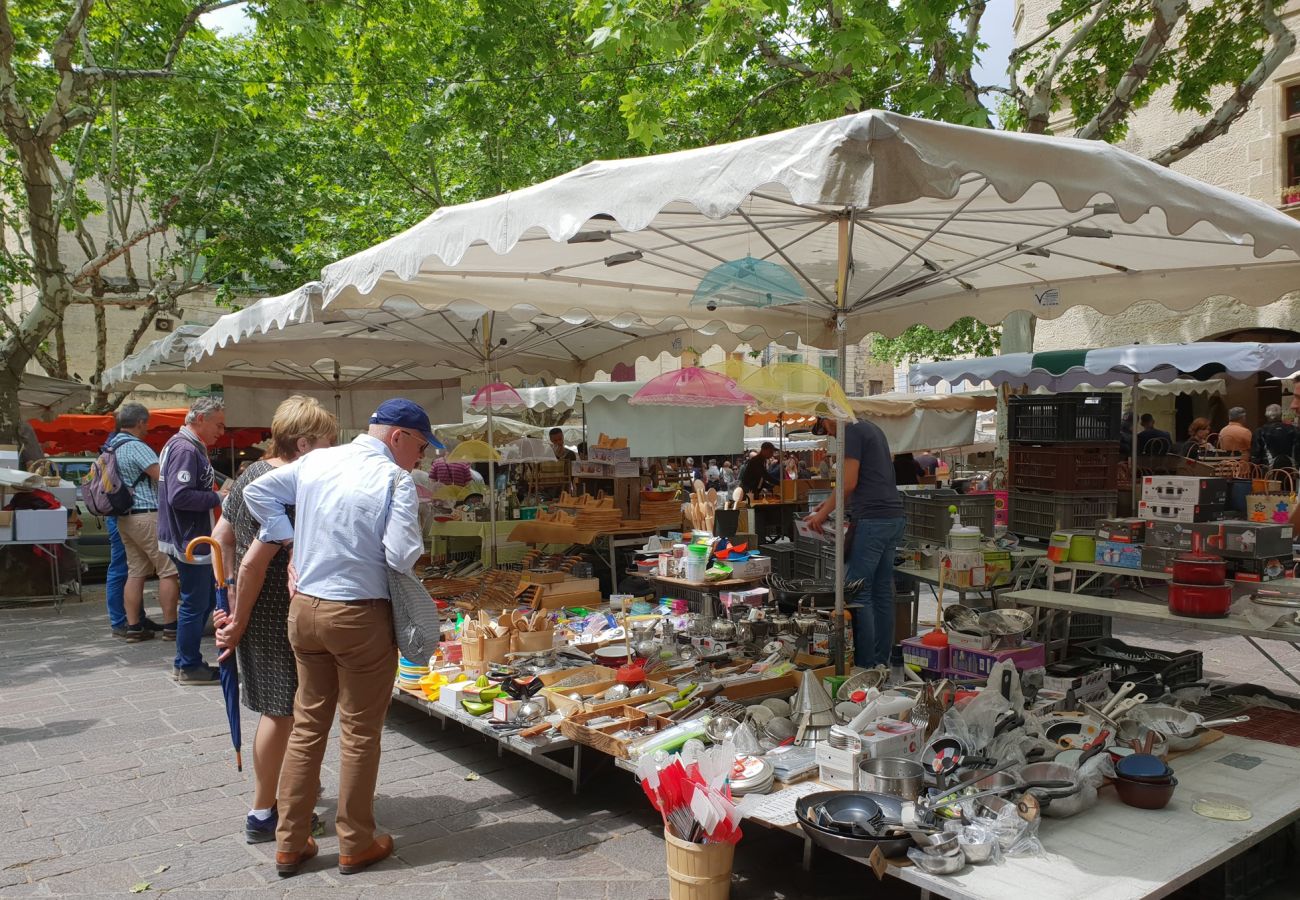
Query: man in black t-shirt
{"x":754,"y":476}
{"x":876,"y":510}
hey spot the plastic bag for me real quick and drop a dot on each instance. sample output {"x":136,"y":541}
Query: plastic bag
{"x":981,"y":716}
{"x":1016,"y":838}
{"x":980,"y":844}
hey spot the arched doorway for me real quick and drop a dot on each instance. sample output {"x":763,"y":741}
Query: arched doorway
{"x":1252,"y":394}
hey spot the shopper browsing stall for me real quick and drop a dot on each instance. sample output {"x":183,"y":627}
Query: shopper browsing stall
{"x":875,"y":509}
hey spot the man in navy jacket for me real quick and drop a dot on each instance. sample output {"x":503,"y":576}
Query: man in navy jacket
{"x":186,"y":501}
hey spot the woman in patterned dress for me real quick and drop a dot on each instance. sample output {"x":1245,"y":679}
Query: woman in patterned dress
{"x":258,"y":629}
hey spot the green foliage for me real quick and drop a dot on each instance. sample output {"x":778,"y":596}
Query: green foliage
{"x":965,"y":337}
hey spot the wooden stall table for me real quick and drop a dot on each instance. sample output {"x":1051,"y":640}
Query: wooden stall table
{"x":444,"y":531}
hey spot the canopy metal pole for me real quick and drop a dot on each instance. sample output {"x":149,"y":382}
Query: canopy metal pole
{"x":841,"y":349}
{"x":1133,"y":452}
{"x":338,"y":400}
{"x":492,"y":474}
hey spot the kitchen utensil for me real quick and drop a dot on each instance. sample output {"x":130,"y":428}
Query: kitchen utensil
{"x":1200,"y":601}
{"x":963,"y":618}
{"x":1143,"y":767}
{"x":1128,"y":704}
{"x":1008,"y":626}
{"x":1199,"y":568}
{"x":1125,"y":689}
{"x":939,"y":865}
{"x":895,"y":776}
{"x":1145,"y":795}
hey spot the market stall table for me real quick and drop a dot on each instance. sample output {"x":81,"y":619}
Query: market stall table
{"x":536,"y":750}
{"x":1021,"y":560}
{"x":705,"y":589}
{"x":1109,"y":851}
{"x":1157,"y":612}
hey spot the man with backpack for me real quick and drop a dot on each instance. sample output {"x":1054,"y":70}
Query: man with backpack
{"x":137,"y":470}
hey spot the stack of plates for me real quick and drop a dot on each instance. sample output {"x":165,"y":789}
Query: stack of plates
{"x":751,"y":775}
{"x":409,"y":673}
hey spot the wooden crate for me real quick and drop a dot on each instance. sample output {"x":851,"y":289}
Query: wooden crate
{"x":561,"y":701}
{"x":602,"y":736}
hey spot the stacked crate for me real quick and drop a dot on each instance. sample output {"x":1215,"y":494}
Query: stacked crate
{"x":1062,"y":472}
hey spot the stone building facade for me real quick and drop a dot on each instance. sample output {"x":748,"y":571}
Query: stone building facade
{"x":1259,"y":157}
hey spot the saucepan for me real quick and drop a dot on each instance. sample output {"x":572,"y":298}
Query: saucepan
{"x":1182,"y":728}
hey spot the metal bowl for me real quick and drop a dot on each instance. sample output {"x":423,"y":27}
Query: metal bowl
{"x":891,"y":808}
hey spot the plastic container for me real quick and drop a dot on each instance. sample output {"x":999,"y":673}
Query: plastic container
{"x":694,"y":570}
{"x":929,"y":520}
{"x":1039,"y":515}
{"x":1065,"y":418}
{"x":1063,"y":467}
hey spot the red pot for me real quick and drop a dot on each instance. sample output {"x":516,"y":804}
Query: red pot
{"x":1200,"y":601}
{"x":1199,"y":568}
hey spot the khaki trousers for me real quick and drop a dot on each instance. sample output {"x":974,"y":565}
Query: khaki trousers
{"x":346,"y":657}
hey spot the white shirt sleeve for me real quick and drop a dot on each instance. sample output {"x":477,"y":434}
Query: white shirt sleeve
{"x":267,"y":499}
{"x":403,"y":542}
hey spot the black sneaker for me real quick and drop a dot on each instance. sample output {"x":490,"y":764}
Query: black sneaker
{"x":150,"y":625}
{"x":199,"y":675}
{"x":118,"y":632}
{"x":137,"y":633}
{"x":169,"y":631}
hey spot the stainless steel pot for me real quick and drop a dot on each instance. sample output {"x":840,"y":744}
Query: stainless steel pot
{"x":892,"y":775}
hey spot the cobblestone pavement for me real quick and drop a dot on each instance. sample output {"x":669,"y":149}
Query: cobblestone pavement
{"x":112,"y":776}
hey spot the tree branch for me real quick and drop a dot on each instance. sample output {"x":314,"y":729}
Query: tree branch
{"x":1038,"y":105}
{"x":15,"y":113}
{"x":94,"y":266}
{"x":769,"y":52}
{"x":34,"y":351}
{"x":1168,"y":13}
{"x":963,"y":76}
{"x":188,"y":24}
{"x":1235,"y":106}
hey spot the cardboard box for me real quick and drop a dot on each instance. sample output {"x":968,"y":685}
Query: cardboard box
{"x":1171,"y":511}
{"x":450,"y":695}
{"x":1159,"y":559}
{"x":1120,"y":555}
{"x":41,"y":525}
{"x":1250,"y":540}
{"x":6,"y":525}
{"x":505,"y":709}
{"x":924,"y":656}
{"x":606,"y":454}
{"x":981,"y":662}
{"x":1093,"y":685}
{"x":969,"y":641}
{"x":9,"y":458}
{"x":890,"y":737}
{"x":1185,"y":489}
{"x":1169,"y":536}
{"x":1122,"y":531}
{"x":752,"y":567}
{"x":755,"y":597}
{"x":1259,"y":570}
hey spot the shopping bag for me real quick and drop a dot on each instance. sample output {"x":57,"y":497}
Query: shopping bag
{"x":1276,"y":502}
{"x":416,"y":625}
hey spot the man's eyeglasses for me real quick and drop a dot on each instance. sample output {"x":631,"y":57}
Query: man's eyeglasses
{"x":424,"y":445}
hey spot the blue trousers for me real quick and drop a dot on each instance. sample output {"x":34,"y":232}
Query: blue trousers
{"x":115,"y":581}
{"x":871,"y":558}
{"x":198,"y":599}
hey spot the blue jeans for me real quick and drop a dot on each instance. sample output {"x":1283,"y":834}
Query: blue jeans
{"x":198,"y":598}
{"x":115,"y":581}
{"x":871,"y":558}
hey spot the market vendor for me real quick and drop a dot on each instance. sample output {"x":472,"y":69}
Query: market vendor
{"x":754,"y":476}
{"x":875,"y":509}
{"x":1198,"y":439}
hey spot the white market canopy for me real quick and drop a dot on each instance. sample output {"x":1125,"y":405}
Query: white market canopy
{"x":1064,"y":370}
{"x":931,"y":221}
{"x":43,"y":397}
{"x":161,"y":364}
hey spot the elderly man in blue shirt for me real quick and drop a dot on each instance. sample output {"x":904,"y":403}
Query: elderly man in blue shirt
{"x":357,"y":517}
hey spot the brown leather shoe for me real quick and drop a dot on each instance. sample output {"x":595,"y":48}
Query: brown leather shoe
{"x":287,"y":864}
{"x":380,"y":850}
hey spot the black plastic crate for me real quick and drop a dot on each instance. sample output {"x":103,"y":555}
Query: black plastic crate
{"x":782,"y":558}
{"x":929,"y":520}
{"x":807,"y":565}
{"x":1064,"y":418}
{"x":1251,"y":873}
{"x":1088,"y":627}
{"x":1038,"y":515}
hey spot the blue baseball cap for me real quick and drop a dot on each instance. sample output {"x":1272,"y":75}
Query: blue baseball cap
{"x":404,"y":413}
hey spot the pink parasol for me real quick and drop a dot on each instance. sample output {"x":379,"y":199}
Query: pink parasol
{"x":497,"y":396}
{"x":691,"y":386}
